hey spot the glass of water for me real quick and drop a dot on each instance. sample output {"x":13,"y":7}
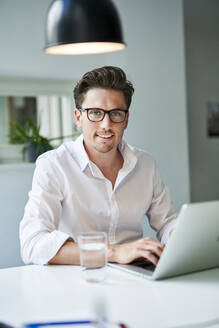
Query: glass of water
{"x":93,"y":255}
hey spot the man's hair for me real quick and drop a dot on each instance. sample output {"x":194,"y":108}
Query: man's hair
{"x":108,"y":77}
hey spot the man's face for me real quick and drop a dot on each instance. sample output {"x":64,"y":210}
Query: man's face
{"x":103,"y":136}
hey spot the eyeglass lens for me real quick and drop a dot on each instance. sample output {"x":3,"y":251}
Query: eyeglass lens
{"x":97,"y":115}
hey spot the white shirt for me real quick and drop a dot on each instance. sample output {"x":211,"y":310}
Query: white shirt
{"x":70,"y":195}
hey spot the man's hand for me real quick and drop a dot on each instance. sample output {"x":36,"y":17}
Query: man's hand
{"x":142,"y":248}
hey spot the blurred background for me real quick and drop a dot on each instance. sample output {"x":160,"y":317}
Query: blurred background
{"x":172,"y":58}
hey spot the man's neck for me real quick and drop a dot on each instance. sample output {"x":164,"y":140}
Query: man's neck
{"x":109,"y":163}
{"x":107,"y":160}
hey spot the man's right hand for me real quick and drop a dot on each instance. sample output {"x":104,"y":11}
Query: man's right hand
{"x":142,"y":248}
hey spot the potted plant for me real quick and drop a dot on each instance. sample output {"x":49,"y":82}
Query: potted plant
{"x":29,"y":135}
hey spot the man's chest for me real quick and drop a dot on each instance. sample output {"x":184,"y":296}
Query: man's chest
{"x":130,"y":197}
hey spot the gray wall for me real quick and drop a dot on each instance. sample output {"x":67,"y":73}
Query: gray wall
{"x":153,"y":60}
{"x":15,"y":184}
{"x":202,"y":63}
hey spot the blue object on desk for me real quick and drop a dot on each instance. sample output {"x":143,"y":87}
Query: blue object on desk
{"x":96,"y":323}
{"x":59,"y":323}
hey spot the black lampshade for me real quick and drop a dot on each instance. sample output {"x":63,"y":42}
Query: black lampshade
{"x":83,"y":27}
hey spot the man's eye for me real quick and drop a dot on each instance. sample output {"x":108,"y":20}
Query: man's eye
{"x":116,"y":113}
{"x":95,"y":112}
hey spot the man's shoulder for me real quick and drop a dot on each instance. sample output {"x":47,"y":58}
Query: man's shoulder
{"x":141,"y":154}
{"x":62,"y":154}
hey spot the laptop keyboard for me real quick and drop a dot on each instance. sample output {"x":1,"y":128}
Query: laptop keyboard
{"x":145,"y":264}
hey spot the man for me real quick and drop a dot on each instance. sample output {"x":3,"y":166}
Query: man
{"x":97,"y":183}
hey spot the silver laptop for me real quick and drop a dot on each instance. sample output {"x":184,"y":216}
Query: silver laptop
{"x":193,"y":246}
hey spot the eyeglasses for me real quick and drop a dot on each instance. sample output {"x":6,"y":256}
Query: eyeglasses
{"x":98,"y":114}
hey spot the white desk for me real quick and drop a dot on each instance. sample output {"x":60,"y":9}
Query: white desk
{"x":36,"y":293}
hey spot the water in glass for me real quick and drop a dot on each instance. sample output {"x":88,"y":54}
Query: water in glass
{"x":93,"y":256}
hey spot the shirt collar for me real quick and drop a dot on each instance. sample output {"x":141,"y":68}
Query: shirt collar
{"x":80,"y":153}
{"x":128,"y":154}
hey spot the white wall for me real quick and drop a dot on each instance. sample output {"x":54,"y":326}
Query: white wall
{"x":202,"y":59}
{"x":153,"y":60}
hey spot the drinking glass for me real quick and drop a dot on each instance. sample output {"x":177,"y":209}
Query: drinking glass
{"x":93,"y":255}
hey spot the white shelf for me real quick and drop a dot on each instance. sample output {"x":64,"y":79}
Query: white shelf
{"x":16,"y":166}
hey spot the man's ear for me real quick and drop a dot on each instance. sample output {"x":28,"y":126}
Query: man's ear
{"x":77,"y":117}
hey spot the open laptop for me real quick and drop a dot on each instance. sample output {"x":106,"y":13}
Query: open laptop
{"x":193,"y":246}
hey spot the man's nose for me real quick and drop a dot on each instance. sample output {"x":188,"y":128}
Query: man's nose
{"x":106,"y":122}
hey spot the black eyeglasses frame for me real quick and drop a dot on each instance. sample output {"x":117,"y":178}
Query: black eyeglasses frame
{"x":105,"y":112}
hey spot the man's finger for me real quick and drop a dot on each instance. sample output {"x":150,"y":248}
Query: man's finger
{"x":148,"y":240}
{"x":152,"y":248}
{"x":150,"y":256}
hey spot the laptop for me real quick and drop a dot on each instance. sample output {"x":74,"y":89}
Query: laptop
{"x":193,"y":245}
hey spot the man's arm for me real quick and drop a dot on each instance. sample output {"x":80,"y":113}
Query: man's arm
{"x":161,"y":213}
{"x":67,"y":254}
{"x":123,"y":253}
{"x":40,"y":238}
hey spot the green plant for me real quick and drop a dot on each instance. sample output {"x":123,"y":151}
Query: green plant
{"x":29,"y":135}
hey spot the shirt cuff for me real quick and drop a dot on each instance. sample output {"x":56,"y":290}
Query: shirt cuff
{"x":167,"y":231}
{"x":47,"y":246}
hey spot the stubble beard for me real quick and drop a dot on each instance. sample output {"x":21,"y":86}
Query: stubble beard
{"x":103,"y":147}
{"x":103,"y":151}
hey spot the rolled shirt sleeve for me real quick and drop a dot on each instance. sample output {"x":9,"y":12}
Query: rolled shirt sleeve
{"x":39,"y":236}
{"x":161,"y":214}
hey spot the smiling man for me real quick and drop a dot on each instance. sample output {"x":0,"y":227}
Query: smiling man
{"x":97,"y":183}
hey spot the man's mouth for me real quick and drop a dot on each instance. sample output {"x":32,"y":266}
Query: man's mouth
{"x":105,"y":136}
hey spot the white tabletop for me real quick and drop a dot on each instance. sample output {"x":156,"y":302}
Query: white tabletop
{"x":37,"y":293}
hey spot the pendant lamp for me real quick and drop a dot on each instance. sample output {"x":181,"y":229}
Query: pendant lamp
{"x":76,"y":27}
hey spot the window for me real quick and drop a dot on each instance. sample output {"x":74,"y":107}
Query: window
{"x":46,"y":103}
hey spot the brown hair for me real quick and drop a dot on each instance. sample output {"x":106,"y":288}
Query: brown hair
{"x":109,"y":77}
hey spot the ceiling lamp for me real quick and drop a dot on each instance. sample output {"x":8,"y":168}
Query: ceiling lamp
{"x":75,"y":27}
